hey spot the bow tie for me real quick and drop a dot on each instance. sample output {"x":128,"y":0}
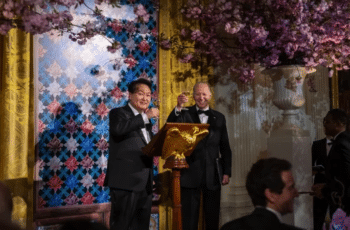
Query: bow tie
{"x":331,"y":142}
{"x":206,"y":112}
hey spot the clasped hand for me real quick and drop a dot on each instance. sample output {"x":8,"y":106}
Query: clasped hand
{"x":152,"y":113}
{"x":317,"y":190}
{"x":181,"y":100}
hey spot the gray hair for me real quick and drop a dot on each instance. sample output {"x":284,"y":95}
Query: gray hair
{"x":199,"y":83}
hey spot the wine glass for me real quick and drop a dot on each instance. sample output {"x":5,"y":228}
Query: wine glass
{"x":156,"y":104}
{"x":187,"y":93}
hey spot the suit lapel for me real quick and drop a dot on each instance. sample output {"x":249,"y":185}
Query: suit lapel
{"x":149,"y":130}
{"x":194,"y":115}
{"x":335,"y":141}
{"x":323,"y":152}
{"x":142,"y":136}
{"x":139,"y":131}
{"x":211,"y":122}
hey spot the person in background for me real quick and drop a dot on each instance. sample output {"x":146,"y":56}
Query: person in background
{"x":270,"y":185}
{"x":129,"y":171}
{"x":337,"y":167}
{"x":320,"y":150}
{"x":209,"y":164}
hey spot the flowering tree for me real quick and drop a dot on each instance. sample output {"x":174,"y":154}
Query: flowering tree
{"x":41,"y":16}
{"x":268,"y":32}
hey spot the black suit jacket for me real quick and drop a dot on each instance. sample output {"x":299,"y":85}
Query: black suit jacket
{"x":128,"y":168}
{"x":202,"y":162}
{"x":319,"y":157}
{"x":260,"y":219}
{"x":338,"y":167}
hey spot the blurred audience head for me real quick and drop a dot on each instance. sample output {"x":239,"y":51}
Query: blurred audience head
{"x":270,"y":184}
{"x":336,"y":121}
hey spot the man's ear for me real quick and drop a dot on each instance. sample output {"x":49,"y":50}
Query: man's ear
{"x":270,"y":196}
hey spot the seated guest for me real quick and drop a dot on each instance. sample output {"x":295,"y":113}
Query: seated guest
{"x":271,"y":187}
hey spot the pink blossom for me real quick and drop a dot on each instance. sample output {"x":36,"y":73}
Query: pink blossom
{"x":184,"y":32}
{"x":165,"y":44}
{"x":187,"y":58}
{"x":116,"y":25}
{"x":330,"y":73}
{"x":196,"y":35}
{"x":232,"y":29}
{"x":4,"y":28}
{"x":142,"y":14}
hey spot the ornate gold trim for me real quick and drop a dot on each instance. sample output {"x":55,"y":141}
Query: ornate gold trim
{"x":335,"y":89}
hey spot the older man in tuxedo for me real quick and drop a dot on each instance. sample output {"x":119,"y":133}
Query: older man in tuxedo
{"x":209,"y":164}
{"x":129,"y":172}
{"x":337,"y":170}
{"x":271,"y":187}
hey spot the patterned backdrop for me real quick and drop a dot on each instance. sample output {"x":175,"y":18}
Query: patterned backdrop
{"x":77,"y":86}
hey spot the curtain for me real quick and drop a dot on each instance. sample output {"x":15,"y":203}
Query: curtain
{"x":174,"y":78}
{"x":17,"y":122}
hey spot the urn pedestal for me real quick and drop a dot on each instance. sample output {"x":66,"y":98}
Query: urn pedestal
{"x":290,"y":142}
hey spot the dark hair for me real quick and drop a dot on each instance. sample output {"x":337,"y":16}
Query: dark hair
{"x":133,"y":85}
{"x":338,"y":116}
{"x":266,"y":173}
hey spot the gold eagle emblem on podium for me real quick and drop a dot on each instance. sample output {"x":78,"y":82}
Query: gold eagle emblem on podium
{"x":177,"y":142}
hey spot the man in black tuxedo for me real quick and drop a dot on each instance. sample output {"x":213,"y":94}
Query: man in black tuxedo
{"x":337,"y":170}
{"x":129,"y":172}
{"x":271,"y":187}
{"x":211,"y":158}
{"x":320,"y":150}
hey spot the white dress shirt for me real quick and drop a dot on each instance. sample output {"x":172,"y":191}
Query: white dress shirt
{"x":328,"y":145}
{"x":203,"y":118}
{"x":145,"y":119}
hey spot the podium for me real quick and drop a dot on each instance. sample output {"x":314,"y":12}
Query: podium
{"x":174,"y":142}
